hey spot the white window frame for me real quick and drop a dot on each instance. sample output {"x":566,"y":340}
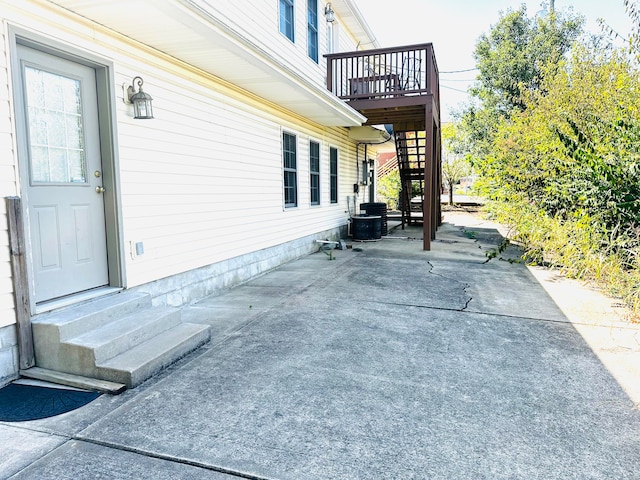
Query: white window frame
{"x":315,"y":174}
{"x":334,"y":178}
{"x":287,"y":169}
{"x":285,"y":6}
{"x":312,"y":31}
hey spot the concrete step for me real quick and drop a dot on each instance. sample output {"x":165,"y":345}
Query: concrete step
{"x":145,"y":360}
{"x":119,"y":335}
{"x":120,"y":338}
{"x":78,"y":319}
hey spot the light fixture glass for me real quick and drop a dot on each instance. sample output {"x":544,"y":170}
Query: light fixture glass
{"x":329,"y":14}
{"x":141,"y":101}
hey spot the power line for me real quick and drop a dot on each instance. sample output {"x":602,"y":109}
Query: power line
{"x":462,"y":71}
{"x":456,"y":89}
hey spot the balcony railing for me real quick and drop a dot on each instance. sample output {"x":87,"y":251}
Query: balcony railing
{"x":383,"y":73}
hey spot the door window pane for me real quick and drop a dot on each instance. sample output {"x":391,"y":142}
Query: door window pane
{"x":56,"y":136}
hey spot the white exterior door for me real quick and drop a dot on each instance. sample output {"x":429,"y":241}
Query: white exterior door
{"x":61,"y":175}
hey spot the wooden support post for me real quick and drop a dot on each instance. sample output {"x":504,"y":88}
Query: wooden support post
{"x":20,"y":283}
{"x":438,"y":156}
{"x":435,"y":216}
{"x":427,"y":206}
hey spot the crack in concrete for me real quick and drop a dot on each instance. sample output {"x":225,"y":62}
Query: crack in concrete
{"x":170,"y":458}
{"x":492,"y":314}
{"x":469,"y":299}
{"x":465,"y":286}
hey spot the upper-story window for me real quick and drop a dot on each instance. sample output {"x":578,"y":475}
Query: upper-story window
{"x":312,"y":29}
{"x":287,"y":18}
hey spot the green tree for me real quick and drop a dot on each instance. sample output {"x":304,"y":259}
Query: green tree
{"x":455,"y":165}
{"x":513,"y":57}
{"x":512,"y":60}
{"x":454,"y":169}
{"x":389,"y":187}
{"x":573,"y":152}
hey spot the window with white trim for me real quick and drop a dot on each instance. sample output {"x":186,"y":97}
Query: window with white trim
{"x":333,"y":174}
{"x":312,"y":29}
{"x":314,"y":172}
{"x":287,"y":19}
{"x":289,"y":161}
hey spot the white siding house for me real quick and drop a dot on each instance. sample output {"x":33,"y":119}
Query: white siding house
{"x":190,"y":201}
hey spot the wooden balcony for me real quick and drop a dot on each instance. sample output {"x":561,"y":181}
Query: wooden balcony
{"x":388,"y":85}
{"x":399,"y":86}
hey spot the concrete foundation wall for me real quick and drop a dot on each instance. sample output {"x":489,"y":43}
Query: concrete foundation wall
{"x":8,"y":354}
{"x":191,"y":286}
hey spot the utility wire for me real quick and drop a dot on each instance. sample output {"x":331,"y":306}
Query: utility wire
{"x":461,"y":71}
{"x":456,"y":89}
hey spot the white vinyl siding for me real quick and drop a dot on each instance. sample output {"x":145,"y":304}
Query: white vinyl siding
{"x":195,"y":191}
{"x":7,"y":311}
{"x":331,"y":41}
{"x":202,"y":182}
{"x":8,"y":188}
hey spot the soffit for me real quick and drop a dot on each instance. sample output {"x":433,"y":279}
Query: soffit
{"x":185,"y":31}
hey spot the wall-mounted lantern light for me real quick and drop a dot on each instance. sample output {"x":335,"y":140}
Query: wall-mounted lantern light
{"x":329,"y":14}
{"x":141,"y":101}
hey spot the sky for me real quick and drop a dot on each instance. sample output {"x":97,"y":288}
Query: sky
{"x":453,"y":26}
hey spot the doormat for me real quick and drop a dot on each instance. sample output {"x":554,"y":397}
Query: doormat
{"x":19,"y":403}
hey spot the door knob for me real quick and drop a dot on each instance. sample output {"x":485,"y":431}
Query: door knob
{"x":100,"y":189}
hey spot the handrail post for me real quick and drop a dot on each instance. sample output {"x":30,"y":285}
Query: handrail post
{"x":430,"y":69}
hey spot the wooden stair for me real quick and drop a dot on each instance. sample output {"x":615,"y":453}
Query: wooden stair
{"x":411,"y":153}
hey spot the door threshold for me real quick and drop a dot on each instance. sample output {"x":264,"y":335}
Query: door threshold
{"x":75,"y":298}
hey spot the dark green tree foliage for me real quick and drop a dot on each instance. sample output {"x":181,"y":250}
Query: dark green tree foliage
{"x":512,"y":59}
{"x":515,"y":54}
{"x":605,"y":184}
